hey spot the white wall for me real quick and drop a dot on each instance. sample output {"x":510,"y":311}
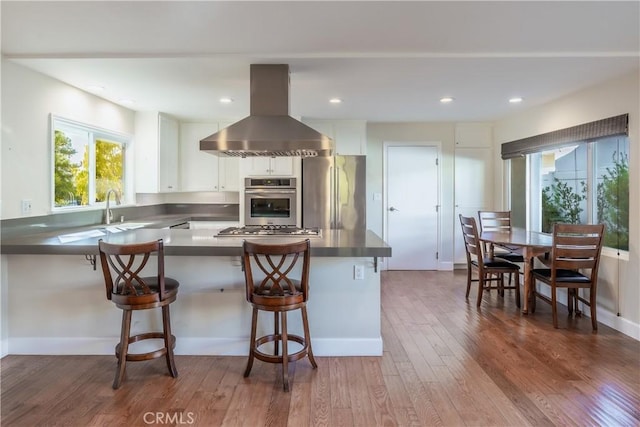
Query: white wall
{"x":619,"y":281}
{"x":28,"y":99}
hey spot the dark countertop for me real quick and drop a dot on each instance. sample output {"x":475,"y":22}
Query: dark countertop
{"x":184,"y":242}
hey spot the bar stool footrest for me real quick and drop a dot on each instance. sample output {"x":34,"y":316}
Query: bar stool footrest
{"x":270,"y":358}
{"x":136,"y":357}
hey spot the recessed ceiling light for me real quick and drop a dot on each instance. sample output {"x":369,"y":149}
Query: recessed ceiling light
{"x":226,"y":100}
{"x":335,"y":101}
{"x":95,"y":88}
{"x":446,"y":99}
{"x":126,"y":101}
{"x":515,"y":100}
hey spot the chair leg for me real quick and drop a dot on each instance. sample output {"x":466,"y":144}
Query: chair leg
{"x":570,"y":298}
{"x":276,"y":331}
{"x":307,"y":337}
{"x":123,"y":348}
{"x":168,"y":341}
{"x":468,"y":281}
{"x":481,"y":278}
{"x":252,"y":341}
{"x":554,"y":308}
{"x":517,"y":286}
{"x":501,"y":284}
{"x":285,"y":353}
{"x":592,"y":304}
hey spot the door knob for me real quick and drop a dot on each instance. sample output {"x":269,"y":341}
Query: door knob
{"x":392,"y":209}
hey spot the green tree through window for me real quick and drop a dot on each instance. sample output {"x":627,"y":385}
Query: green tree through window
{"x":87,"y":163}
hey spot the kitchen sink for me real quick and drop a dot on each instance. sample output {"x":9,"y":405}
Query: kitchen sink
{"x":114,"y":228}
{"x":101,"y":231}
{"x":72,"y":237}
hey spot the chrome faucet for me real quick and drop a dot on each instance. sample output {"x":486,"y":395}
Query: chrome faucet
{"x":108,"y":214}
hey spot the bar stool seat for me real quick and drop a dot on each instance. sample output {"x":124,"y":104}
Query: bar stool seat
{"x":121,"y":267}
{"x":281,"y":287}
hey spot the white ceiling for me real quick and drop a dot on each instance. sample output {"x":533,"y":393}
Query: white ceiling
{"x":388,"y":61}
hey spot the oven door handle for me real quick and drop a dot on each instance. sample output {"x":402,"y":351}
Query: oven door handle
{"x":267,"y":192}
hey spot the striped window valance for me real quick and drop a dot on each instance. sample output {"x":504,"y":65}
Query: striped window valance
{"x":612,"y":126}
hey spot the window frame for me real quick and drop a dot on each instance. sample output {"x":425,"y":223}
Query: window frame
{"x":96,"y":133}
{"x":534,"y":187}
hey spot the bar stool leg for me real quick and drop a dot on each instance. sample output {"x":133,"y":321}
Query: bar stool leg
{"x":252,"y":342}
{"x":285,"y":353}
{"x":307,"y":337}
{"x":168,"y":341}
{"x":276,"y":332}
{"x":122,"y":348}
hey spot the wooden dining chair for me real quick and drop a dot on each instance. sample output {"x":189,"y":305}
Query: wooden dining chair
{"x":500,"y":221}
{"x":489,"y":269}
{"x":277,"y":281}
{"x":122,"y":267}
{"x":574,"y":261}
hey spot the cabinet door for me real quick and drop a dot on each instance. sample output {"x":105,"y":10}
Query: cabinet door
{"x":474,"y":135}
{"x":473,"y":189}
{"x":199,"y":171}
{"x":168,"y":146}
{"x":350,"y":137}
{"x":229,"y":174}
{"x":281,"y":166}
{"x":261,"y":166}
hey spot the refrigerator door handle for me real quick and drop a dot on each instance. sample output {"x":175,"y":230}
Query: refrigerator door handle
{"x":338,"y":204}
{"x":332,"y":198}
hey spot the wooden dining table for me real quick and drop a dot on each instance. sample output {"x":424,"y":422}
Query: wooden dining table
{"x":531,"y":245}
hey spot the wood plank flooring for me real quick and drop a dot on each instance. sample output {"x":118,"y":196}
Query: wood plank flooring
{"x":445,"y":363}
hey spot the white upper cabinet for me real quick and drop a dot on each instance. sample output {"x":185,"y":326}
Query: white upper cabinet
{"x":228,"y":174}
{"x":264,"y":166}
{"x":474,"y":135}
{"x":157,"y":153}
{"x":349,"y":136}
{"x":202,"y":171}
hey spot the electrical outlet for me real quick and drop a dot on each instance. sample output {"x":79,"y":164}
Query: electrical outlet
{"x":358,"y":272}
{"x":26,"y":206}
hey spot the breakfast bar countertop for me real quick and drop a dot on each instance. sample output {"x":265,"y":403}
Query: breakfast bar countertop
{"x":188,"y":242}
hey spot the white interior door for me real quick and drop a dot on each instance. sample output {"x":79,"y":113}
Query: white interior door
{"x":412,"y":206}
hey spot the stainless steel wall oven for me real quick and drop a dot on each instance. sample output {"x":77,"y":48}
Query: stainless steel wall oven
{"x":270,"y":201}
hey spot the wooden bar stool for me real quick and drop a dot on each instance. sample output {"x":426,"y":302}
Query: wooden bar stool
{"x":122,"y":266}
{"x":281,"y":287}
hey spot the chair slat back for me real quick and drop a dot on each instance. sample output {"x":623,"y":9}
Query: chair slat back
{"x":495,"y":220}
{"x":122,"y":266}
{"x":472,"y":244}
{"x":577,"y":246}
{"x":277,"y":264}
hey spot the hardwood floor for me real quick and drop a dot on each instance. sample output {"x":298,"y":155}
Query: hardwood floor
{"x":445,"y":363}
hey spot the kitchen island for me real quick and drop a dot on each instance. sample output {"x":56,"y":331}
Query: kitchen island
{"x":56,"y":300}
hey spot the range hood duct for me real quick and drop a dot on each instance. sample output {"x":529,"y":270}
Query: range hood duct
{"x":269,"y":131}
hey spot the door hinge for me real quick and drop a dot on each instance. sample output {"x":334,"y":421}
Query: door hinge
{"x":437,"y":255}
{"x":436,"y":161}
{"x":437,"y":208}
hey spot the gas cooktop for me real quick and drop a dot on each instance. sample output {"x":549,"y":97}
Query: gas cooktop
{"x":269,"y":231}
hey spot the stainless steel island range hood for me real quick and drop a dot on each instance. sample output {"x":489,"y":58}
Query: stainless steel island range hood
{"x":269,"y":131}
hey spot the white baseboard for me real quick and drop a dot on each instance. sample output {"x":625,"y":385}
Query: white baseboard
{"x":445,"y":266}
{"x":4,"y":348}
{"x":616,"y":322}
{"x":187,"y":346}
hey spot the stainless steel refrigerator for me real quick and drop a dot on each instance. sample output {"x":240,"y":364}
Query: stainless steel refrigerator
{"x":334,"y":192}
